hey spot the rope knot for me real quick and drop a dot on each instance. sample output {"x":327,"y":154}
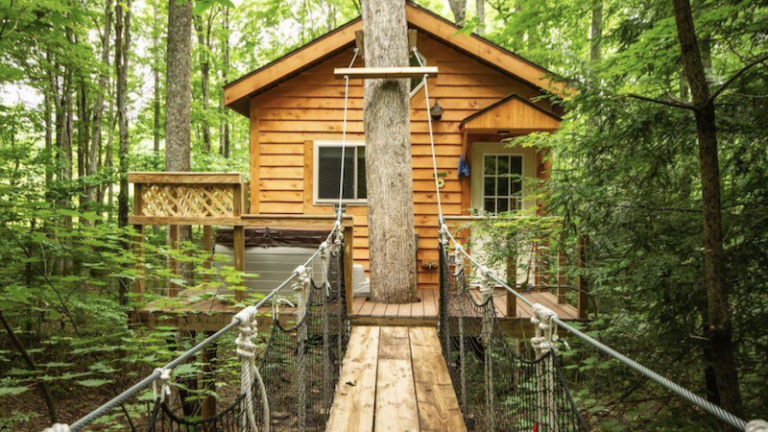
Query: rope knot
{"x":488,"y":285}
{"x":161,"y":387}
{"x":546,"y":329}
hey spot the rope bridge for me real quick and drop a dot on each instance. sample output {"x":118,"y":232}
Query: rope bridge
{"x":497,"y":389}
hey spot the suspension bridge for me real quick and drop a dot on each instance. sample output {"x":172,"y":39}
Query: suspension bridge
{"x":324,"y":374}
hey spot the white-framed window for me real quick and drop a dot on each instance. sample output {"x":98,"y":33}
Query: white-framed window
{"x":327,"y":172}
{"x":502,"y":182}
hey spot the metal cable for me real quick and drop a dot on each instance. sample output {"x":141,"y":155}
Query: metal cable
{"x":431,"y":140}
{"x":146,"y":382}
{"x":670,"y":385}
{"x":344,"y":139}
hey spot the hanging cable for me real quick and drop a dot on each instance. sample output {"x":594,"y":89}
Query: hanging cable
{"x":344,"y":140}
{"x":440,"y":219}
{"x":670,"y":385}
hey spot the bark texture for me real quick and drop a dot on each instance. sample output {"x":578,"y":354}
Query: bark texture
{"x":179,"y":88}
{"x":480,"y":8}
{"x":720,"y":327}
{"x":388,"y":156}
{"x":178,"y":97}
{"x":98,"y":109}
{"x":459,"y":9}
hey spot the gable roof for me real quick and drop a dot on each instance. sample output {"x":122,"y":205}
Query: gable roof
{"x":512,"y":112}
{"x":238,"y":92}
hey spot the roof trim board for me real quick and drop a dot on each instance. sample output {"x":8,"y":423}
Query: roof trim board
{"x":497,"y":117}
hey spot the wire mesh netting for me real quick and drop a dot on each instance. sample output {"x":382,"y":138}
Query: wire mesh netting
{"x":300,"y":368}
{"x":497,"y":389}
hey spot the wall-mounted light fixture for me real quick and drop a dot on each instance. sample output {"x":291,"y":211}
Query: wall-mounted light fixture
{"x":503,"y":133}
{"x":436,"y":111}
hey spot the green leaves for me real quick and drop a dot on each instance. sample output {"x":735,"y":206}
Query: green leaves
{"x":93,"y":382}
{"x":12,"y":391}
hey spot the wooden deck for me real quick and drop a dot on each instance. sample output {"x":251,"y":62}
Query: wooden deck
{"x":395,"y":379}
{"x":365,"y":311}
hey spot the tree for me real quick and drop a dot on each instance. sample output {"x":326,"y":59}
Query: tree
{"x":388,"y":156}
{"x":98,"y":109}
{"x":459,"y":9}
{"x":178,"y":97}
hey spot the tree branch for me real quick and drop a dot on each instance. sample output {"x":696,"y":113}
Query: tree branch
{"x":667,"y":102}
{"x":735,"y":77}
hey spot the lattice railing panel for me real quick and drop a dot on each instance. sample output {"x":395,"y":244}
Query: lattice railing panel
{"x":177,"y":200}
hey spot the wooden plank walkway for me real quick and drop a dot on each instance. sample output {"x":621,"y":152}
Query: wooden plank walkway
{"x":429,"y":305}
{"x":394,"y":379}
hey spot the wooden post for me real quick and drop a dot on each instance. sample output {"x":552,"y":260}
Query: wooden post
{"x":349,"y":261}
{"x":140,"y":283}
{"x":582,"y":304}
{"x":512,"y":282}
{"x":238,"y":241}
{"x":208,"y":248}
{"x":209,"y":383}
{"x":562,"y":280}
{"x":173,"y":265}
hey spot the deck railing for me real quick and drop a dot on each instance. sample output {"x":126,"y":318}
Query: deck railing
{"x":544,"y":260}
{"x":214,"y":199}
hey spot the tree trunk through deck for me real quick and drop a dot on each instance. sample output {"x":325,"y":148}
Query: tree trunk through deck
{"x":720,"y":329}
{"x":178,"y":97}
{"x":388,"y":156}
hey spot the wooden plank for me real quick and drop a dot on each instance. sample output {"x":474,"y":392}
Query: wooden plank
{"x":396,"y":409}
{"x":379,"y":309}
{"x":185,"y":177}
{"x":385,"y":72}
{"x":430,"y":303}
{"x":238,"y":240}
{"x":357,"y":305}
{"x":417,"y":310}
{"x":349,"y":261}
{"x":438,"y":406}
{"x":354,"y":403}
{"x":394,"y":343}
{"x":367,"y":308}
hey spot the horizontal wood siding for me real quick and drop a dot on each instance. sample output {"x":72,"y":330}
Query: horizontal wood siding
{"x":309,"y":107}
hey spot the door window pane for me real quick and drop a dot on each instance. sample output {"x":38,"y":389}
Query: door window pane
{"x":502,"y":182}
{"x":362,"y":191}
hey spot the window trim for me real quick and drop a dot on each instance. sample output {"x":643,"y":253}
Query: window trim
{"x":316,"y":146}
{"x":521,"y":198}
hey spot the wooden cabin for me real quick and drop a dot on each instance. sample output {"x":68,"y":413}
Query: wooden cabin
{"x":295,"y":105}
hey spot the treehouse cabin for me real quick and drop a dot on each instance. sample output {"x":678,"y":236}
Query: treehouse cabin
{"x":481,"y":95}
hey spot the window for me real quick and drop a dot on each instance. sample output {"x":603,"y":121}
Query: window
{"x":327,"y":172}
{"x":502,"y":182}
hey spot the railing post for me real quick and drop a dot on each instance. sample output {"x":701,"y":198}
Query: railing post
{"x":238,"y":234}
{"x":349,"y":261}
{"x":562,"y":280}
{"x":582,"y":304}
{"x":511,"y":311}
{"x":140,"y":283}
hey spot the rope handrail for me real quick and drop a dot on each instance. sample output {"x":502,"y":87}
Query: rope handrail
{"x":713,"y":409}
{"x":156,"y":374}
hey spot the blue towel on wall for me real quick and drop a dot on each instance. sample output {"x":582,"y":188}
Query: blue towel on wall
{"x":463,"y":167}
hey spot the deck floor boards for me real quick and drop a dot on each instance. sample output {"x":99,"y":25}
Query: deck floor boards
{"x":412,"y":391}
{"x":429,"y":304}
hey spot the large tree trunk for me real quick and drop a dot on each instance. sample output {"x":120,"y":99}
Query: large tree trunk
{"x":224,"y":138}
{"x":720,"y":329}
{"x":178,"y":96}
{"x":156,"y":78}
{"x":203,"y":28}
{"x":388,"y":156}
{"x":98,"y":108}
{"x":123,"y":13}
